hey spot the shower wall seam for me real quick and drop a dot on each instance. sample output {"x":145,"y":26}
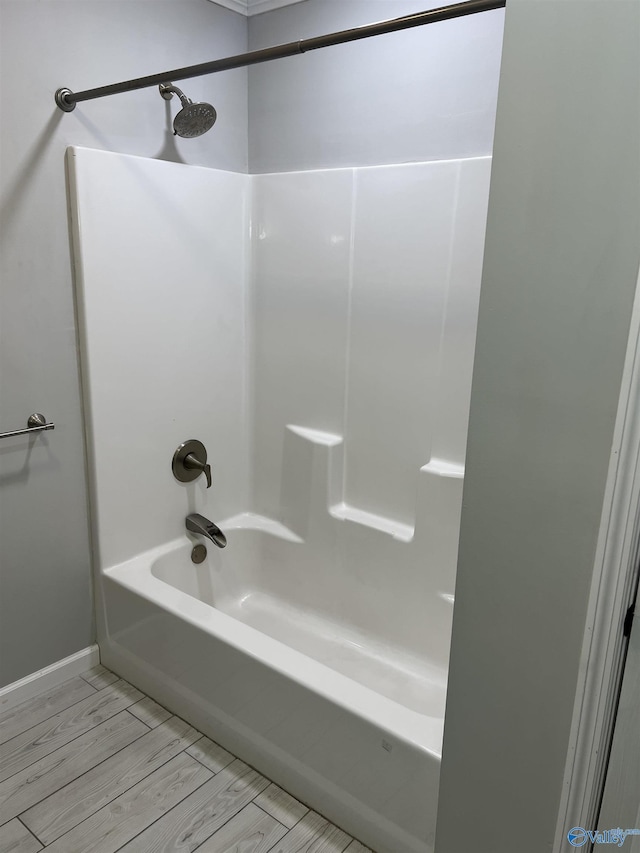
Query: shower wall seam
{"x":249,"y":314}
{"x":433,"y":451}
{"x":345,"y":410}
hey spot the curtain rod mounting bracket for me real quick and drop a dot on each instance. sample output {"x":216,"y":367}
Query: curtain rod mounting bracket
{"x":62,"y":102}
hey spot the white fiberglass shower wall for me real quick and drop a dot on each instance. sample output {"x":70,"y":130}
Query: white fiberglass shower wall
{"x":316,"y":331}
{"x":365,"y":294}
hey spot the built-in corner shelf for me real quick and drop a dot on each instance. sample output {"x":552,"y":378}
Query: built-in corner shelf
{"x":313,"y":467}
{"x":316,"y":436}
{"x":442,"y":468}
{"x":403,"y":532}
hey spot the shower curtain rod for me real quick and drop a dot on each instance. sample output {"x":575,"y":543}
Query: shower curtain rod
{"x":67,"y":100}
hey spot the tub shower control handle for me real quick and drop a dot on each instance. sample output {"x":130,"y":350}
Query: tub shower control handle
{"x":189,"y":461}
{"x":194,"y":464}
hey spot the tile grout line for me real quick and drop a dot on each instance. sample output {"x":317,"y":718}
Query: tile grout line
{"x":12,"y":710}
{"x":144,"y":696}
{"x":258,"y":806}
{"x":214,"y":772}
{"x":269,"y":781}
{"x":73,"y":738}
{"x":108,"y":802}
{"x":29,"y":831}
{"x":204,"y":841}
{"x":80,"y":775}
{"x":192,"y":850}
{"x":62,"y":710}
{"x":328,"y":822}
{"x":149,"y":728}
{"x":98,"y":689}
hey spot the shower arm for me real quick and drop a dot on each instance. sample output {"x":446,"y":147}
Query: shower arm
{"x":67,"y":100}
{"x":167,"y":90}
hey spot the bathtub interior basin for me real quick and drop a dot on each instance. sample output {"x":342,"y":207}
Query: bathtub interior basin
{"x":220,"y":581}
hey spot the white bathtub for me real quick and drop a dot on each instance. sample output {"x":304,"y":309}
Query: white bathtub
{"x":349,"y":725}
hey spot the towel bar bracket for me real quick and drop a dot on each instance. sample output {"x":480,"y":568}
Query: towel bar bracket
{"x":35,"y":423}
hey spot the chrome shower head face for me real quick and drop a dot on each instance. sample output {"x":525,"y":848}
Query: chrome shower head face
{"x":194,"y":120}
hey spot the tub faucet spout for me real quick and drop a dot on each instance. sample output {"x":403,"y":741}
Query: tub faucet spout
{"x":197,"y":523}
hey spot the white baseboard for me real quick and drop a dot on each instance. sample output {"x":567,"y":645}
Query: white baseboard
{"x":50,"y":676}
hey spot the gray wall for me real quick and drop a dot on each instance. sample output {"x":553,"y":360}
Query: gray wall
{"x":560,"y":270}
{"x":45,"y":586}
{"x":423,"y":94}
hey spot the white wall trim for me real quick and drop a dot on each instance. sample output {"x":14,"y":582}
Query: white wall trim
{"x":254,"y":7}
{"x":47,"y":678}
{"x":234,"y":5}
{"x":258,"y":6}
{"x":611,"y":591}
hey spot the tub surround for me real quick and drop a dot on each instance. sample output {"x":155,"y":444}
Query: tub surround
{"x":315,"y":331}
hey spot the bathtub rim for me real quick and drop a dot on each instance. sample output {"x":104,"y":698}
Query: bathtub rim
{"x":420,"y":731}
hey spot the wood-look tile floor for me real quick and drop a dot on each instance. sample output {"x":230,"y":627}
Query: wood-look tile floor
{"x":94,"y":766}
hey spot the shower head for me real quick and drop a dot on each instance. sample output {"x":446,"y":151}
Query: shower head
{"x":193,"y":119}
